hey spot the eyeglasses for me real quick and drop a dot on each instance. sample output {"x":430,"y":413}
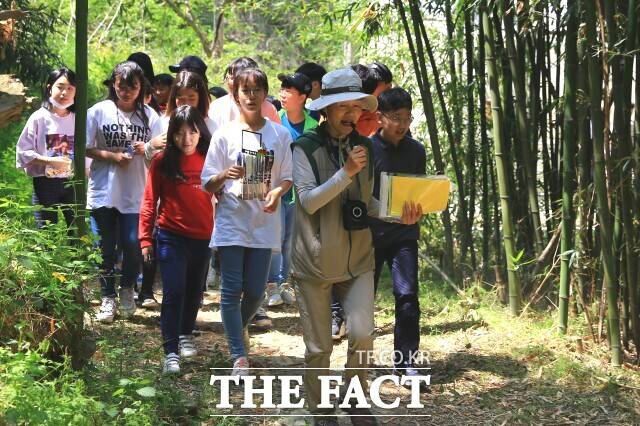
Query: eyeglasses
{"x":399,"y":120}
{"x":252,"y":92}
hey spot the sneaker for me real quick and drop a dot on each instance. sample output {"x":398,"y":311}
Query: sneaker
{"x":409,"y":369}
{"x":338,"y":327}
{"x":287,"y":294}
{"x":187,"y":346}
{"x":127,"y":303}
{"x":273,"y":295}
{"x":405,"y":369}
{"x":107,"y":310}
{"x":261,"y":320}
{"x":150,"y":303}
{"x":171,"y":364}
{"x":240,"y":367}
{"x":246,"y":339}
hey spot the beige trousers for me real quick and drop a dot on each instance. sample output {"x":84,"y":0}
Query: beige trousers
{"x":314,"y":302}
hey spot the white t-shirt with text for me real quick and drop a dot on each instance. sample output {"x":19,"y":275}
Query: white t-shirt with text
{"x":111,"y":185}
{"x":243,"y":222}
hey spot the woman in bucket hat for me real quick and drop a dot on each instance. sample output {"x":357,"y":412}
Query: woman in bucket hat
{"x":332,"y":247}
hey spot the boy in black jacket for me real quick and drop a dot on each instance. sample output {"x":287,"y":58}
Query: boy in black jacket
{"x":396,"y":244}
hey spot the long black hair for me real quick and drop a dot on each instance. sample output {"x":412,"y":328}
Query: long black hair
{"x":189,"y":80}
{"x":129,"y":73}
{"x":53,"y":77}
{"x":170,"y":162}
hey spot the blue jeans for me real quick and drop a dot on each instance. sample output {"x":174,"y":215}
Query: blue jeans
{"x":279,"y":270}
{"x":109,"y":223}
{"x":402,"y":258}
{"x":244,"y":273}
{"x":183,"y":265}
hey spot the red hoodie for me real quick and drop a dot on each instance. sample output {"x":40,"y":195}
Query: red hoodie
{"x":184,"y":208}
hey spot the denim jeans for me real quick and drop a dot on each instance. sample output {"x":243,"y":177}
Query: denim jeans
{"x":183,"y":265}
{"x":402,"y":258}
{"x":52,"y":193}
{"x":244,"y":273}
{"x":111,"y":224}
{"x":279,"y":270}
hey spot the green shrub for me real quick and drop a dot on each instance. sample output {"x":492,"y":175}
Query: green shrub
{"x":36,"y":390}
{"x":41,"y":277}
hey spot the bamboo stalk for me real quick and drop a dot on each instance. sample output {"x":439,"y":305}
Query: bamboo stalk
{"x":568,"y":155}
{"x":522,"y":122}
{"x":600,"y":182}
{"x":501,"y":170}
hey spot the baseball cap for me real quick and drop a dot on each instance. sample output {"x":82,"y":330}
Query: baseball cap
{"x":190,"y":63}
{"x":298,"y":81}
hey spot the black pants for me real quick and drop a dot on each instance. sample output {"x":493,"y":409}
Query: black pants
{"x":402,"y":258}
{"x":149,"y":273}
{"x":52,"y":193}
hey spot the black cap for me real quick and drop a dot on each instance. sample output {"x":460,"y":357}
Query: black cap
{"x":190,"y":63}
{"x":144,"y":61}
{"x":298,"y":81}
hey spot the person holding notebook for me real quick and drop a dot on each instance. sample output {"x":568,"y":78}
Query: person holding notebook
{"x":397,"y":244}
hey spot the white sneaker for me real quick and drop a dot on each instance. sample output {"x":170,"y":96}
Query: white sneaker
{"x":287,"y":294}
{"x":240,"y":367}
{"x":171,"y":364}
{"x":127,"y":302}
{"x":150,"y":303}
{"x":187,"y":346}
{"x":273,"y":295}
{"x":107,"y":310}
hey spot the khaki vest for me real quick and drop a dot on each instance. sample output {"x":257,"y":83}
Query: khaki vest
{"x":322,"y":250}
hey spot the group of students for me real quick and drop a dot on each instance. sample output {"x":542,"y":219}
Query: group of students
{"x":174,"y":176}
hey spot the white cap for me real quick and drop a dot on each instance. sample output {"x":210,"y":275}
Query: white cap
{"x":340,"y":86}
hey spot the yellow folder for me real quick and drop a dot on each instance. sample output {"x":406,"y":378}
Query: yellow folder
{"x":431,"y":192}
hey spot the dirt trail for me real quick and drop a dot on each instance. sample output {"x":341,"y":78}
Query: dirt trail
{"x":482,"y":372}
{"x":280,"y":347}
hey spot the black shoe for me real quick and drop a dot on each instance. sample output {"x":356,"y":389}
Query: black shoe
{"x":338,"y":326}
{"x":261,"y":321}
{"x":361,"y":416}
{"x":408,"y":369}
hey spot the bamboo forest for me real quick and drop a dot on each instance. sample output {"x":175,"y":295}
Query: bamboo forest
{"x":521,"y":297}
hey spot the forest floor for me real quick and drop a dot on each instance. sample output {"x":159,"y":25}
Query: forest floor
{"x":486,"y":366}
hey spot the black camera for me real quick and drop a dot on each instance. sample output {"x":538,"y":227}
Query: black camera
{"x":354,"y":215}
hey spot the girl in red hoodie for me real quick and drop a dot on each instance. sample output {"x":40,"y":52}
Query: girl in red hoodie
{"x":184,"y":216}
